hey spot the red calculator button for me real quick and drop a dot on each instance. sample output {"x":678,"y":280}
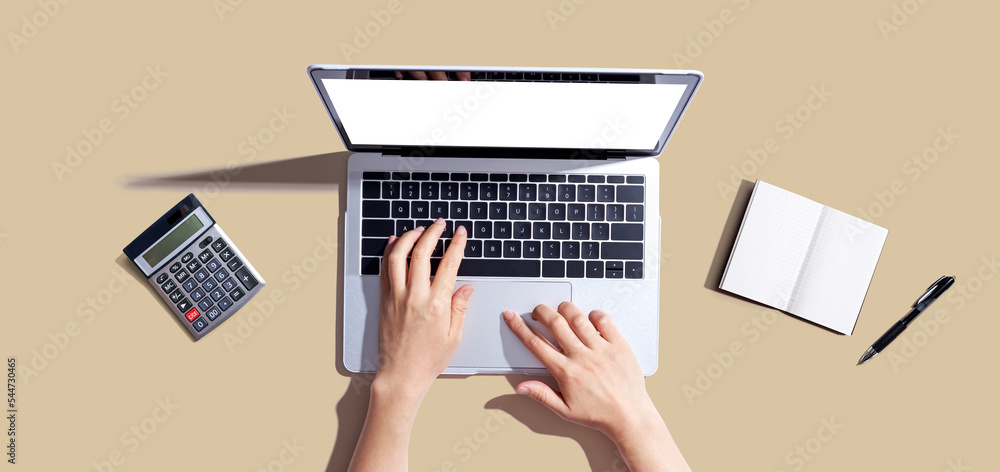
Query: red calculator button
{"x":191,"y":315}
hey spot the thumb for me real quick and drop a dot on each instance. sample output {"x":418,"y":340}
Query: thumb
{"x":460,"y":303}
{"x":544,"y":394}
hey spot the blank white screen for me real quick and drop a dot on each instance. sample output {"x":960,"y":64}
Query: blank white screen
{"x":503,"y":114}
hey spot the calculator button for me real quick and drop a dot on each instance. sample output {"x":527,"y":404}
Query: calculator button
{"x":175,"y":267}
{"x":235,"y":264}
{"x":205,"y":256}
{"x":226,"y":254}
{"x":213,"y":313}
{"x":169,"y":286}
{"x":205,"y":242}
{"x":237,"y":294}
{"x":221,"y":275}
{"x":199,"y":324}
{"x":197,"y":294}
{"x":205,"y":304}
{"x":217,"y":294}
{"x":193,"y":266}
{"x":184,"y":305}
{"x":213,"y":265}
{"x":209,"y":284}
{"x":201,"y":275}
{"x":187,"y":258}
{"x":189,"y":285}
{"x":191,"y":315}
{"x":176,"y":296}
{"x":181,"y":276}
{"x":229,"y":284}
{"x":162,"y":278}
{"x":218,"y":245}
{"x":225,"y":303}
{"x":246,"y":278}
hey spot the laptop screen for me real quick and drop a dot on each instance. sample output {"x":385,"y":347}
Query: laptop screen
{"x":634,"y":115}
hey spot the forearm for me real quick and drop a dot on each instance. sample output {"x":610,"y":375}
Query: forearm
{"x":648,"y":446}
{"x":385,"y":437}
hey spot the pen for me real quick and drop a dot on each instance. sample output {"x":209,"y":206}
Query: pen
{"x":925,"y":300}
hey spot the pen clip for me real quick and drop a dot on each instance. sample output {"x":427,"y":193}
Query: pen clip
{"x":936,"y":289}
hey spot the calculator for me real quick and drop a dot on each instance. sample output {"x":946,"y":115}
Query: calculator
{"x":194,"y":266}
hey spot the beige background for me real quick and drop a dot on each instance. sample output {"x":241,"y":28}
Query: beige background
{"x":240,"y":403}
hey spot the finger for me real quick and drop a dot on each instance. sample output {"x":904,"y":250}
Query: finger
{"x":444,"y":278}
{"x":544,"y":394}
{"x":419,"y":75}
{"x":460,"y":303}
{"x":420,"y":259}
{"x":439,"y":75}
{"x":539,"y":347}
{"x":602,"y":321}
{"x":399,"y":74}
{"x":558,"y":326}
{"x":463,"y":75}
{"x":397,"y":257}
{"x":386,"y":285}
{"x":582,"y":326}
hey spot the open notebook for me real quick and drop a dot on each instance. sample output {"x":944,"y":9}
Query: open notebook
{"x":804,"y":258}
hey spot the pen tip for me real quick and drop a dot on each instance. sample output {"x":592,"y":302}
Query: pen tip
{"x":870,"y":353}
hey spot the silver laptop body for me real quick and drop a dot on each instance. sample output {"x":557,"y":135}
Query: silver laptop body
{"x":590,"y":135}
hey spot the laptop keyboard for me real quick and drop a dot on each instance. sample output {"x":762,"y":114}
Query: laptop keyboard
{"x":520,"y":225}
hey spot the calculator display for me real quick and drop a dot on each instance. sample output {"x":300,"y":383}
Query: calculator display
{"x":172,"y":240}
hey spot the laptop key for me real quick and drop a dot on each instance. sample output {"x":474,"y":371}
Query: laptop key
{"x":373,"y":246}
{"x":634,"y":179}
{"x":517,"y":211}
{"x":502,"y":230}
{"x":390,"y":190}
{"x":400,"y":176}
{"x":522,"y":230}
{"x":616,"y":179}
{"x":536,"y":211}
{"x":371,"y":190}
{"x":570,"y":250}
{"x":508,"y":192}
{"x":488,"y":191}
{"x":438,"y":210}
{"x":479,"y":177}
{"x":616,"y":250}
{"x":605,"y":193}
{"x":595,"y":179}
{"x":498,"y":177}
{"x":459,"y":210}
{"x":546,"y":192}
{"x":581,"y":231}
{"x":421,"y":176}
{"x":576,"y":212}
{"x":500,"y":268}
{"x":429,"y":190}
{"x":553,"y":269}
{"x":595,"y":212}
{"x":629,"y":193}
{"x":473,"y":248}
{"x":449,"y":190}
{"x":531,"y":249}
{"x":615,"y":212}
{"x":400,"y":209}
{"x":403,"y":226}
{"x":585,"y":193}
{"x":512,"y":249}
{"x":567,"y":193}
{"x":600,"y":231}
{"x":557,"y":178}
{"x":527,"y":192}
{"x":577,"y":178}
{"x":498,"y":211}
{"x":492,"y":248}
{"x":626,"y":232}
{"x":374,"y":175}
{"x":439,"y":176}
{"x":419,"y":209}
{"x":377,"y":228}
{"x":575,"y":269}
{"x":614,"y":265}
{"x":469,"y":191}
{"x":370,"y":265}
{"x":541,"y":230}
{"x":595,"y":269}
{"x":557,"y":211}
{"x":590,"y":250}
{"x":374,"y":209}
{"x":410,"y":190}
{"x":537,"y":178}
{"x":560,"y":230}
{"x":633,"y":270}
{"x":550,"y":249}
{"x":479,"y":210}
{"x":459,"y":176}
{"x":482,"y":229}
{"x":633,"y":212}
{"x":518,"y":177}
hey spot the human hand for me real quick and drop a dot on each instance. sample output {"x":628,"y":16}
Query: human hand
{"x":420,"y":323}
{"x":601,"y":382}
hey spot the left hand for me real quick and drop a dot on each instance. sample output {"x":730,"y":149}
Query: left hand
{"x":420,"y":323}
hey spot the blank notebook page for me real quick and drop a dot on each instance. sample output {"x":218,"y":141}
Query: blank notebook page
{"x":804,"y":258}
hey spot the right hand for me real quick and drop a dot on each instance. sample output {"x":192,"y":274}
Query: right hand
{"x":601,"y":382}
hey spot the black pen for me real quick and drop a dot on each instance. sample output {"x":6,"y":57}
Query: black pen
{"x":925,"y":300}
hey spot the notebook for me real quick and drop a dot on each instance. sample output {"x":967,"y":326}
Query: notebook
{"x":804,"y":258}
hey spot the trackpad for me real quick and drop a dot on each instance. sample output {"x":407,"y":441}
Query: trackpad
{"x":487,"y":342}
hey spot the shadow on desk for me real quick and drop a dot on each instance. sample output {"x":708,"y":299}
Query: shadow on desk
{"x":328,"y":172}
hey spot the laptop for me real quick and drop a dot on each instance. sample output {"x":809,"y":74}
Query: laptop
{"x":551,"y":170}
